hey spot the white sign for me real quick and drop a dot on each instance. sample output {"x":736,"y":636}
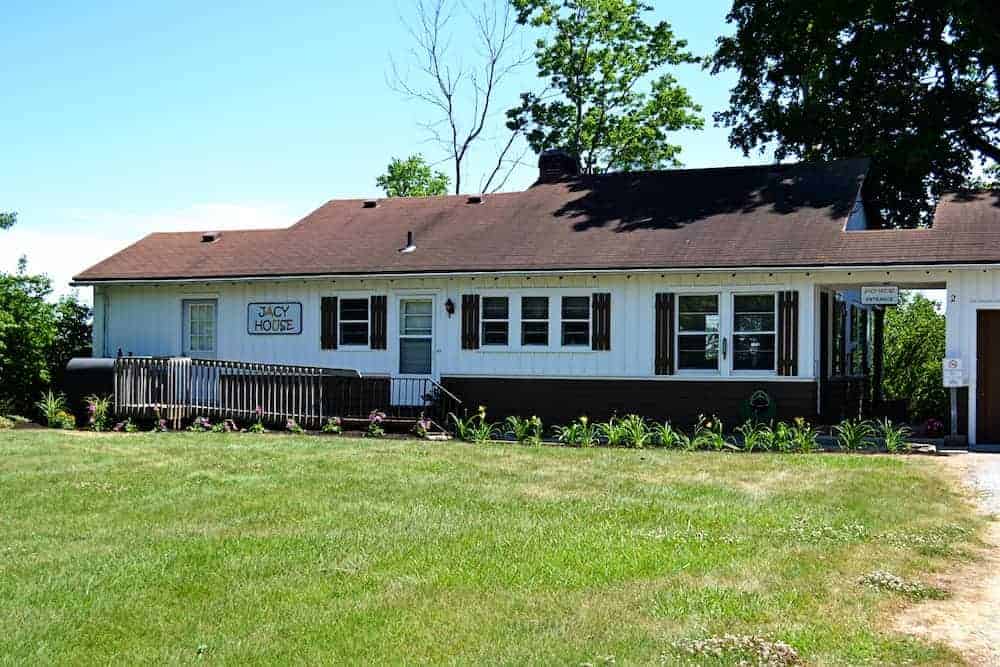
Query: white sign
{"x":953,"y":373}
{"x":281,"y":319}
{"x":880,"y":295}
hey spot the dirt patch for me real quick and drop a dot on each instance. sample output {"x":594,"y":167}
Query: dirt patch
{"x":968,"y":620}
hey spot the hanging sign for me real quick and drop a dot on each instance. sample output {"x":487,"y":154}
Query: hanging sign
{"x":280,"y":318}
{"x":880,"y":295}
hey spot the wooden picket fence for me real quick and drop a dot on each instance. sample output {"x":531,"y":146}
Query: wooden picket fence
{"x":181,"y":388}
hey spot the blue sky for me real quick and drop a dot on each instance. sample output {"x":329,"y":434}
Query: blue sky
{"x":121,"y":118}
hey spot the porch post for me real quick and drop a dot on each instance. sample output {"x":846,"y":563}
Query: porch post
{"x":878,"y":354}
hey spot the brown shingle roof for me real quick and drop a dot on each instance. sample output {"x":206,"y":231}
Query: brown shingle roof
{"x":766,"y":216}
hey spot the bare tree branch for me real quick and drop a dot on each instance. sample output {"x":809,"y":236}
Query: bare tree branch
{"x":461,"y":96}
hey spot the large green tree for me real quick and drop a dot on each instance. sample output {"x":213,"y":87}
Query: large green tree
{"x":913,"y":84}
{"x":412,"y":177}
{"x":914,"y":347}
{"x":608,"y":100}
{"x":7,"y":220}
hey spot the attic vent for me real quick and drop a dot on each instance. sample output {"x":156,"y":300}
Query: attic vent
{"x":476,"y":199}
{"x":370,"y":203}
{"x":210,"y":237}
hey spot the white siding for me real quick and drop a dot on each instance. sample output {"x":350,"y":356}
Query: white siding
{"x":146,"y":320}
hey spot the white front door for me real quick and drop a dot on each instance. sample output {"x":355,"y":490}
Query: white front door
{"x":416,"y":336}
{"x":200,"y":328}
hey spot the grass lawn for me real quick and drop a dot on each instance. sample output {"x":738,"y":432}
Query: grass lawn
{"x":242,"y":548}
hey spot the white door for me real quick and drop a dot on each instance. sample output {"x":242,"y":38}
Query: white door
{"x":200,"y":328}
{"x":416,"y":336}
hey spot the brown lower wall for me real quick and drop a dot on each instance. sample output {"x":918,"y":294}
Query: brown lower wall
{"x":680,"y":401}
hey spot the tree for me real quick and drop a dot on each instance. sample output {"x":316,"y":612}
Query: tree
{"x":7,"y":220}
{"x":911,"y":84}
{"x":600,"y":56}
{"x":914,"y":348}
{"x":462,"y":95}
{"x":73,"y":336}
{"x":27,"y":329}
{"x":412,"y":177}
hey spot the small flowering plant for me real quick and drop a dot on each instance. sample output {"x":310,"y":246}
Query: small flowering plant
{"x":934,"y":428}
{"x":161,"y":426}
{"x":225,"y":426}
{"x":200,"y":425}
{"x":127,"y":426}
{"x":333,"y":425}
{"x":292,"y":426}
{"x":423,"y":426}
{"x":375,"y":428}
{"x":98,"y":412}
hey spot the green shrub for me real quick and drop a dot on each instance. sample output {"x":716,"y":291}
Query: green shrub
{"x":665,"y":435}
{"x":64,"y":420}
{"x":853,"y":434}
{"x":756,"y":436}
{"x":709,"y":434}
{"x":804,"y":437}
{"x":895,"y":438}
{"x":580,"y":433}
{"x":635,"y":431}
{"x":524,"y":431}
{"x":333,"y":425}
{"x":475,"y":428}
{"x":375,"y":421}
{"x":6,"y":423}
{"x":200,"y":425}
{"x":50,"y":404}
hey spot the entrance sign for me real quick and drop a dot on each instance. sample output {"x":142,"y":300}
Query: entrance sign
{"x":280,"y":318}
{"x":880,"y":295}
{"x":954,"y":373}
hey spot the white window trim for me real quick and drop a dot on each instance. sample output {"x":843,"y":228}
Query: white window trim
{"x":341,"y":321}
{"x":522,"y":320}
{"x":483,"y":320}
{"x":734,"y":332}
{"x":588,"y":320}
{"x":187,"y":301}
{"x":719,"y":366}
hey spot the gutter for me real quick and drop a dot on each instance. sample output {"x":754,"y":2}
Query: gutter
{"x":536,"y":272}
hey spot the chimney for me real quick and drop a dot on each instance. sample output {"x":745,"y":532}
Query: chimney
{"x":556,"y":165}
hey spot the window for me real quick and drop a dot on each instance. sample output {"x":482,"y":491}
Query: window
{"x":496,"y":320}
{"x":575,"y":320}
{"x":415,"y":336}
{"x":534,"y":320}
{"x":201,"y":326}
{"x":354,"y":321}
{"x":754,"y":327}
{"x":698,"y":332}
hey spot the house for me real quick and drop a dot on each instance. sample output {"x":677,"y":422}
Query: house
{"x":668,"y":293}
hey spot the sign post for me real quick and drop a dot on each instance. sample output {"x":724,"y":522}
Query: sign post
{"x":954,"y":377}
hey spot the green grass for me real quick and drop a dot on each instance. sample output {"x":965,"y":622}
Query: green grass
{"x":143,"y":548}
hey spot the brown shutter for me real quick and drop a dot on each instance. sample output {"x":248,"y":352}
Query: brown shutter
{"x":328,"y":323}
{"x":600,"y":306}
{"x":470,"y":321}
{"x":664,"y":357}
{"x":379,"y":322}
{"x":788,"y":333}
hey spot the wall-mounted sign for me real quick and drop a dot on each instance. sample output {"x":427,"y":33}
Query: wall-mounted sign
{"x":280,"y":318}
{"x":953,"y":373}
{"x":880,"y":295}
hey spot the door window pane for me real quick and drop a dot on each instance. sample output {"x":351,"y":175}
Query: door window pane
{"x":415,"y":318}
{"x":754,"y":332}
{"x":415,"y":356}
{"x":201,"y":327}
{"x":698,"y":332}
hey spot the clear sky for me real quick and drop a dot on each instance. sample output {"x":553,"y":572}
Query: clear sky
{"x":122,"y":118}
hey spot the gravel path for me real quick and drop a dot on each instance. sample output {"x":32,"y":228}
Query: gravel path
{"x":969,"y":620}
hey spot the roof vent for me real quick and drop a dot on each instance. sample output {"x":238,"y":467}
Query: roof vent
{"x":370,"y":203}
{"x":210,"y":237}
{"x":476,"y":199}
{"x":555,"y":165}
{"x":410,"y":245}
